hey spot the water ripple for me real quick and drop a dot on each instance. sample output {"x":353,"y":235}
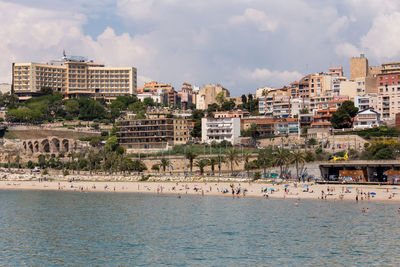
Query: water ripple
{"x":75,"y":229}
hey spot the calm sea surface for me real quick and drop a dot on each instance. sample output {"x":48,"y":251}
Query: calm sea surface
{"x":39,"y":228}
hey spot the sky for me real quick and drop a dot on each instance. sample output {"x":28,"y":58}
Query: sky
{"x":240,"y":44}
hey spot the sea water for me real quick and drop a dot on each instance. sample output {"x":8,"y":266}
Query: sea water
{"x":49,"y":228}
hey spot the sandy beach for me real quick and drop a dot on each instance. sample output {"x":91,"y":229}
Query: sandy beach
{"x":244,"y":189}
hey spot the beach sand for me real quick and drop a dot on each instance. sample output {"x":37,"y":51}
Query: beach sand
{"x":293,"y":190}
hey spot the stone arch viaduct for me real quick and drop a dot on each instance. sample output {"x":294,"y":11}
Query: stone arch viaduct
{"x":49,"y":145}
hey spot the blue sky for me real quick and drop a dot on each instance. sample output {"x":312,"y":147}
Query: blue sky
{"x":241,"y":44}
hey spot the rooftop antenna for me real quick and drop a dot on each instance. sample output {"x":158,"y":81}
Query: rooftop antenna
{"x":64,"y":53}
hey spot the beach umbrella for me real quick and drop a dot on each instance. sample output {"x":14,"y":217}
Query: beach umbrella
{"x":305,"y":186}
{"x":286,"y":185}
{"x":349,"y":187}
{"x":394,"y":187}
{"x":373,"y":193}
{"x":271,"y":189}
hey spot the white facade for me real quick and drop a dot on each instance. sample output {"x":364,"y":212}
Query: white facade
{"x":220,"y":129}
{"x":156,"y":98}
{"x":366,"y":101}
{"x":367,"y":119}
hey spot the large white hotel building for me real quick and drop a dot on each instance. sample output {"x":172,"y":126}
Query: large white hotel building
{"x":73,"y":77}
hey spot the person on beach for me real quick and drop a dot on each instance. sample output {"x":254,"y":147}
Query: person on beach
{"x":363,"y":210}
{"x":356,"y":198}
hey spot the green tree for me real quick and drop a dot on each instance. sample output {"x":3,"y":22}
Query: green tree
{"x":264,"y":159}
{"x":281,"y":157}
{"x":112,"y":143}
{"x":190,"y":155}
{"x":155,"y":167}
{"x":220,"y":98}
{"x":232,"y":155}
{"x":298,"y":157}
{"x":246,"y":158}
{"x":201,"y":164}
{"x":164,"y":163}
{"x":344,"y":116}
{"x":212,"y":162}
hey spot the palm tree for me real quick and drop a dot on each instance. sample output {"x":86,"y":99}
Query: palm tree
{"x":212,"y":162}
{"x":246,"y":158}
{"x":264,"y":159}
{"x":164,"y":163}
{"x":280,"y":158}
{"x":232,"y":155}
{"x":190,"y":155}
{"x":156,"y":167}
{"x":221,"y":160}
{"x":298,"y":157}
{"x":8,"y":158}
{"x":201,"y":164}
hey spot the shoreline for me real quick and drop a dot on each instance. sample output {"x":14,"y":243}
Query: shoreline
{"x":253,"y":190}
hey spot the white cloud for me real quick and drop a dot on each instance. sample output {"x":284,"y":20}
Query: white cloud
{"x":137,"y":9}
{"x":257,"y":18}
{"x":266,"y":77}
{"x":382,"y":40}
{"x":30,"y":34}
{"x":347,"y":50}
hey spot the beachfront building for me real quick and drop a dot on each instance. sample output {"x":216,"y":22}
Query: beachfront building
{"x":367,"y":118}
{"x":150,"y":135}
{"x":213,"y":129}
{"x":73,"y":77}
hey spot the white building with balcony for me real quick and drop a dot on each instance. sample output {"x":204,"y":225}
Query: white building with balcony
{"x":367,"y":118}
{"x":220,"y":129}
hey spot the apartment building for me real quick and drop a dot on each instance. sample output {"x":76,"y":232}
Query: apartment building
{"x":388,"y":83}
{"x":238,"y":113}
{"x":149,"y":135}
{"x":73,"y":77}
{"x":366,"y":101}
{"x":301,"y":88}
{"x":166,"y":92}
{"x":289,"y":126}
{"x":366,"y":85}
{"x":320,"y":84}
{"x":325,"y":102}
{"x":321,"y":119}
{"x":265,"y":105}
{"x":265,"y":125}
{"x":281,"y":106}
{"x":186,"y":95}
{"x":220,"y":129}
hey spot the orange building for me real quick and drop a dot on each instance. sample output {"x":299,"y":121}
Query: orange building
{"x":322,"y":118}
